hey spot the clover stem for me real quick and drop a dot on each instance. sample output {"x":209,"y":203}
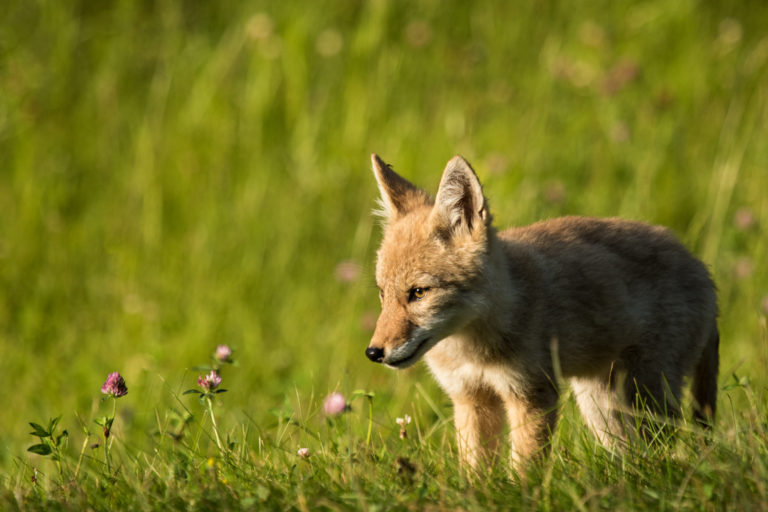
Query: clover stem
{"x":213,"y":422}
{"x":370,"y":421}
{"x":108,"y":435}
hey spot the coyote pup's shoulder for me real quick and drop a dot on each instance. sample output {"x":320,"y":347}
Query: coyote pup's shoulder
{"x":620,"y":307}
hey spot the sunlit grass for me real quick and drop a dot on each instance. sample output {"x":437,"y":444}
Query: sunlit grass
{"x":262,"y":466}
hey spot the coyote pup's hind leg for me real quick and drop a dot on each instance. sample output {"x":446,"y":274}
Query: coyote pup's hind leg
{"x":652,"y":390}
{"x":705,"y":382}
{"x":600,"y":404}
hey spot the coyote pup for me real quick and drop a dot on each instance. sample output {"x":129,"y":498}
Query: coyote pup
{"x":623,"y":308}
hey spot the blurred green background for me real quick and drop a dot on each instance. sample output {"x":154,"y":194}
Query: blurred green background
{"x":175,"y":175}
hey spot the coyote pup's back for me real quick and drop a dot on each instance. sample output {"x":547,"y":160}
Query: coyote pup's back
{"x":622,"y":307}
{"x":605,"y":286}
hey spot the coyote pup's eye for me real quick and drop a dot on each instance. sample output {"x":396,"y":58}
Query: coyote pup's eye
{"x":417,"y":294}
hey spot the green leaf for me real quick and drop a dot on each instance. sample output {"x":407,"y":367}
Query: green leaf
{"x":39,"y":430}
{"x":281,"y":413}
{"x":52,"y":424}
{"x":60,"y":436}
{"x":104,"y":422}
{"x":190,"y":391}
{"x":40,"y":449}
{"x":737,"y":382}
{"x":203,"y":368}
{"x":220,"y":391}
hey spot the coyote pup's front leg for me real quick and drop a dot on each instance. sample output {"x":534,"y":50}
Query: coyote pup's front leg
{"x":532,"y":419}
{"x":479,"y":421}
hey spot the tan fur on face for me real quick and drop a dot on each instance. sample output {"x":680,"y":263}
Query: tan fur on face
{"x":615,"y":297}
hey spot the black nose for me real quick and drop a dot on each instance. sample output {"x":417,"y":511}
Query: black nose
{"x":375,"y":354}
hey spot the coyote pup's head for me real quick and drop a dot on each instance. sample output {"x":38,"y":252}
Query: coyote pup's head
{"x":430,"y":267}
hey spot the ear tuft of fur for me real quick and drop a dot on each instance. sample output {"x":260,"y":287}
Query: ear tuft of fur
{"x":381,"y":210}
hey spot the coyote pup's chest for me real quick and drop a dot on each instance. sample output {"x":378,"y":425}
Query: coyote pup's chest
{"x":460,"y":371}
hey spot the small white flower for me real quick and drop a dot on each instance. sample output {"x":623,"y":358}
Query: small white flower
{"x":303,"y":453}
{"x":403,"y":422}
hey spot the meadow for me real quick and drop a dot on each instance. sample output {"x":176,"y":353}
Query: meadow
{"x":176,"y":176}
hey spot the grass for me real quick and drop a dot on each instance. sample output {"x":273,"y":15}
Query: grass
{"x":180,"y":175}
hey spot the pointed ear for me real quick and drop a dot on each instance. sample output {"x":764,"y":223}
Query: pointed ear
{"x":460,"y":206}
{"x":398,"y":195}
